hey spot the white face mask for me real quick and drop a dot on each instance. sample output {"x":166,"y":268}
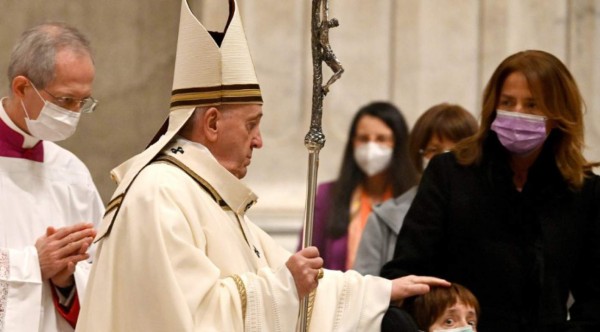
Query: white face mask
{"x":54,"y":123}
{"x":373,"y":158}
{"x":467,"y":328}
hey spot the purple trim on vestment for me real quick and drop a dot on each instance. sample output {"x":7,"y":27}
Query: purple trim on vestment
{"x":11,"y":145}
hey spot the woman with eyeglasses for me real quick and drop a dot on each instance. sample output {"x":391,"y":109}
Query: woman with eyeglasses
{"x":435,"y":132}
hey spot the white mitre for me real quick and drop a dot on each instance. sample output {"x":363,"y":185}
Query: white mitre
{"x":208,"y":72}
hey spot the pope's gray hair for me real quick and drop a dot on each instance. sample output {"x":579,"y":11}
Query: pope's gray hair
{"x":34,"y":54}
{"x":190,"y":123}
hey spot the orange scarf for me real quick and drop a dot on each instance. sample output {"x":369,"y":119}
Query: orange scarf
{"x":361,"y":206}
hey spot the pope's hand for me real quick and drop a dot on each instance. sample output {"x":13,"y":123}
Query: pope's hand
{"x":414,"y":285}
{"x":304,"y":266}
{"x":60,"y":249}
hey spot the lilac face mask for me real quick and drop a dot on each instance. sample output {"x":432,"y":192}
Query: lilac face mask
{"x":520,"y":133}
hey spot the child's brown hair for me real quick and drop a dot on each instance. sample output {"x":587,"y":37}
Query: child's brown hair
{"x":427,"y":308}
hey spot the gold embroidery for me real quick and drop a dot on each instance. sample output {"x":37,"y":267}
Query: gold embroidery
{"x":211,"y":191}
{"x":216,"y":95}
{"x":311,"y":304}
{"x":242,"y":291}
{"x":114,"y":204}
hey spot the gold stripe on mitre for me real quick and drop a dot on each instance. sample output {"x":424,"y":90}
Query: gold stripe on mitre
{"x":216,"y":95}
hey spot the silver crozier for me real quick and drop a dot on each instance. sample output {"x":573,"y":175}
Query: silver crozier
{"x":315,"y":139}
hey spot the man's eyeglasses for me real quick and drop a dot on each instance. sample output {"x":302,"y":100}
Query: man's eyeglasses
{"x":85,"y":105}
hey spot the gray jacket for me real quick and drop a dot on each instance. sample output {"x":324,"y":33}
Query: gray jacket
{"x":378,"y":239}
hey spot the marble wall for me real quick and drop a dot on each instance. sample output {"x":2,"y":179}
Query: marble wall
{"x":415,"y":53}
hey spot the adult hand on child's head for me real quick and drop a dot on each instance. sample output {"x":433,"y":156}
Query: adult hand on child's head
{"x":414,"y":285}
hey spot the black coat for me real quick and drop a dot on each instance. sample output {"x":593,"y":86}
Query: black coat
{"x":520,"y":253}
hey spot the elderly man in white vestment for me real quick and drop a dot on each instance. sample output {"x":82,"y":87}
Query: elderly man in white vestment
{"x":176,"y":251}
{"x":48,"y":200}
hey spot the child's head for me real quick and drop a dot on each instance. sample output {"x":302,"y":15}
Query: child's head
{"x":445,"y":308}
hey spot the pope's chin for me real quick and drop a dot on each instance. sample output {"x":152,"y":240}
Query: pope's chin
{"x":240,"y":171}
{"x":244,"y":168}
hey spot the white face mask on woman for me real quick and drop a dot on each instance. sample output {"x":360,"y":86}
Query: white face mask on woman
{"x":54,"y":123}
{"x":373,"y":158}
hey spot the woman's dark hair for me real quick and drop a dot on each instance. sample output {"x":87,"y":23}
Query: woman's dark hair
{"x":401,"y":172}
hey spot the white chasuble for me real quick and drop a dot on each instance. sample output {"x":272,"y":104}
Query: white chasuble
{"x":180,"y":255}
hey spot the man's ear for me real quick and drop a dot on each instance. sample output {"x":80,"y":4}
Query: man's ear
{"x":210,"y":124}
{"x":19,"y":83}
